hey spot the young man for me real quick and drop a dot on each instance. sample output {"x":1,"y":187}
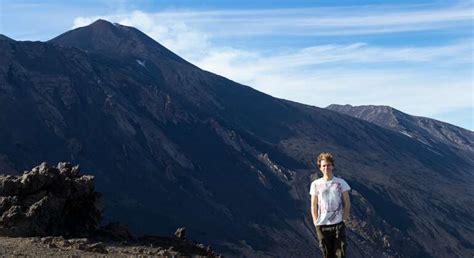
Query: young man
{"x":330,"y":207}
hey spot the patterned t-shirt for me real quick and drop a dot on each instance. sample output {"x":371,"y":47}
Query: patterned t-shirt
{"x":329,"y":199}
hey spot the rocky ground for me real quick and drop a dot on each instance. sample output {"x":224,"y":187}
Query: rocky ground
{"x":55,"y":211}
{"x":59,"y":246}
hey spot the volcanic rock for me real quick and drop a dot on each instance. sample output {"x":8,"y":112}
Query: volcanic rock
{"x":48,"y":201}
{"x":180,"y":233}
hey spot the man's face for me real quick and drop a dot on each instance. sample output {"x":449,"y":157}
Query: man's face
{"x":326,"y":167}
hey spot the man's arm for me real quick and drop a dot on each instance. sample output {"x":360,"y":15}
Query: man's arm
{"x":314,"y":208}
{"x":347,"y":206}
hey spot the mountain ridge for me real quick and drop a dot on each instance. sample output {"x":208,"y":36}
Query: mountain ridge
{"x":163,"y":136}
{"x":423,"y":128}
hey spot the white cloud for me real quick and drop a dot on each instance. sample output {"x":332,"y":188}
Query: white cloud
{"x":83,"y":21}
{"x":325,"y":21}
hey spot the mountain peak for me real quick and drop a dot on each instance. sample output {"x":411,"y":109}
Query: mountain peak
{"x":425,"y":129}
{"x":97,"y":36}
{"x":348,"y":106}
{"x":101,"y":24}
{"x":368,"y":112}
{"x":115,"y":39}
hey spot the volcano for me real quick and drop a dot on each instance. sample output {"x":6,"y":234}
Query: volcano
{"x":172,"y":145}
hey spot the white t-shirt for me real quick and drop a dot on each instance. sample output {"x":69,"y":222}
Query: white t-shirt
{"x":329,"y":199}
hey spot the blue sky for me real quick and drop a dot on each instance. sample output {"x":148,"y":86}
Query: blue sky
{"x":416,"y":56}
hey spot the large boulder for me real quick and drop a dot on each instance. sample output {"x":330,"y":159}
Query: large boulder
{"x":49,"y":201}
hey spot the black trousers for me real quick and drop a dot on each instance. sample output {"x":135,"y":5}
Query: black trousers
{"x":332,"y":240}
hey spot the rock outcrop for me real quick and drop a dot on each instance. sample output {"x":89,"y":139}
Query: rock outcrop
{"x":60,"y":209}
{"x":49,"y":201}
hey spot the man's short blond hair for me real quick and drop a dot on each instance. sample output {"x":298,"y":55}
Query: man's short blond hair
{"x":327,"y":157}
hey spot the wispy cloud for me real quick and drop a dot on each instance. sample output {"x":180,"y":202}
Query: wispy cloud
{"x":326,"y":21}
{"x":319,"y":21}
{"x":325,"y":75}
{"x":355,"y":72}
{"x":347,"y":54}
